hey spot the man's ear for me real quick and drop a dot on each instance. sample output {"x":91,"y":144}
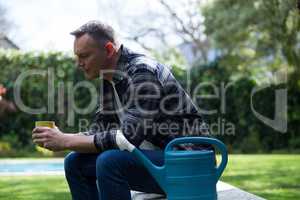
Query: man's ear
{"x":109,"y":47}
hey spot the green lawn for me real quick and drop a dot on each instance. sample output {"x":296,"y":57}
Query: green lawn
{"x":270,"y":176}
{"x":33,"y":188}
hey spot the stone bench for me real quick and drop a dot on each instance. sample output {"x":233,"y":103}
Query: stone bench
{"x":225,"y":192}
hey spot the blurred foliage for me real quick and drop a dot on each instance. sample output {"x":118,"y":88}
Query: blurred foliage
{"x":255,"y":40}
{"x":249,"y":33}
{"x":15,"y":128}
{"x":229,"y":104}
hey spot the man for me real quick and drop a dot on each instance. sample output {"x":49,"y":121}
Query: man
{"x":139,"y":95}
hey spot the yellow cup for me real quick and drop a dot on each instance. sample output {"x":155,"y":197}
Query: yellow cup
{"x":50,"y":124}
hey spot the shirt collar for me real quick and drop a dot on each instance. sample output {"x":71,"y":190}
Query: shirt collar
{"x":121,"y":65}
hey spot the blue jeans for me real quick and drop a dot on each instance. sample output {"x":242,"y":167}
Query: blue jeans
{"x":116,"y":173}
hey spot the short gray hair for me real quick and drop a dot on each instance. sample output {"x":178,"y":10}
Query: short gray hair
{"x":97,"y":30}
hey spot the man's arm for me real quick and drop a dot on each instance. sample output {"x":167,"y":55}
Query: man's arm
{"x":80,"y":143}
{"x":55,"y":140}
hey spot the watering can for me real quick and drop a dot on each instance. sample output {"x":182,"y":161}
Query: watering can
{"x":185,"y":175}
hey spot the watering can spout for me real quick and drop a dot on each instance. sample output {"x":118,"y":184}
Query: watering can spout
{"x":158,"y":172}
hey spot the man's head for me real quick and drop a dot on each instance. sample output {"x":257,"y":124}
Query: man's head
{"x":96,"y":48}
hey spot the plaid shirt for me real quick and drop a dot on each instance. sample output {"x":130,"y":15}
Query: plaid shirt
{"x":155,"y":107}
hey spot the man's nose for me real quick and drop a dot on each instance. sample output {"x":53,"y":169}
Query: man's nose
{"x":79,"y":64}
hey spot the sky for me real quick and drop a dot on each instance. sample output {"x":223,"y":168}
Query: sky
{"x":45,"y":25}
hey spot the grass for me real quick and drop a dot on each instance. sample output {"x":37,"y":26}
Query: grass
{"x":33,"y":188}
{"x":270,"y":176}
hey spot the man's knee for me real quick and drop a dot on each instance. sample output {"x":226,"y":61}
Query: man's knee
{"x":71,"y":162}
{"x":107,"y":161}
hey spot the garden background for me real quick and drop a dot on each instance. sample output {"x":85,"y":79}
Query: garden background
{"x":247,"y":45}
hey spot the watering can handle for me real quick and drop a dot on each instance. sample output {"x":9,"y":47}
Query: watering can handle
{"x":204,"y":140}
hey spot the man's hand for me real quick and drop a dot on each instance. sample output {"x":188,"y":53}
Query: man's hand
{"x":49,"y":138}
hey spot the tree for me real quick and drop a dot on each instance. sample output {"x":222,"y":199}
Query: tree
{"x":188,"y":26}
{"x":247,"y":31}
{"x":261,"y":36}
{"x":162,"y":25}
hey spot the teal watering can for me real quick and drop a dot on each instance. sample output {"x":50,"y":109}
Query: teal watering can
{"x":185,"y":175}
